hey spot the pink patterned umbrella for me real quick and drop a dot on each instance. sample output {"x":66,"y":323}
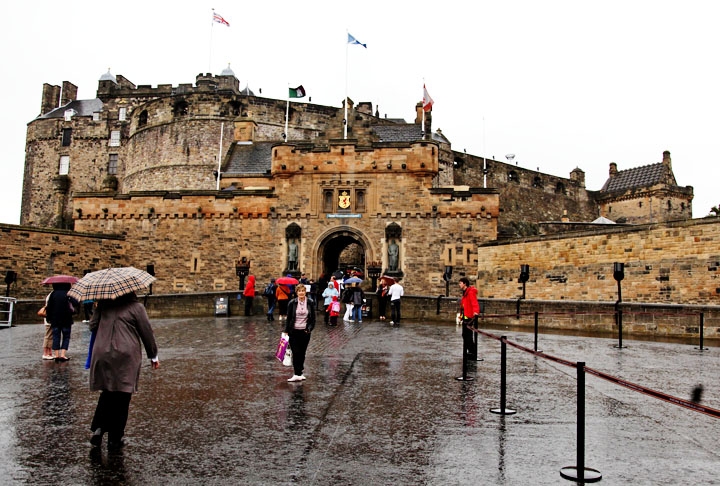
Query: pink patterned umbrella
{"x":60,"y":279}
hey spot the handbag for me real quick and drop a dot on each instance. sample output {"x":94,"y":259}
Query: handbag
{"x":42,"y":312}
{"x":282,"y":348}
{"x":287,"y":360}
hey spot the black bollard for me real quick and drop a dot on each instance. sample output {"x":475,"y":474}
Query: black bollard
{"x":464,"y":376}
{"x":618,"y":319}
{"x":503,"y":381}
{"x":579,"y":472}
{"x":702,"y":326}
{"x":536,"y":332}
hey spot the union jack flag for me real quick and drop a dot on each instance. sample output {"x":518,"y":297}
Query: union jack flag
{"x":219,"y":19}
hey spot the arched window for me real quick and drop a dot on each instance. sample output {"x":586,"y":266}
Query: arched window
{"x":513,"y":177}
{"x":560,"y":188}
{"x":537,"y":182}
{"x":142,"y":120}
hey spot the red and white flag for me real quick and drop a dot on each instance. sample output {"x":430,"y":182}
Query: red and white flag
{"x":219,"y":19}
{"x":427,"y":101}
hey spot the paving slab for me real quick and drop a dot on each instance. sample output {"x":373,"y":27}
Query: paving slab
{"x":381,"y":405}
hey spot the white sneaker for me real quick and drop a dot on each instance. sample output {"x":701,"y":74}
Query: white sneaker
{"x":303,"y":377}
{"x":295,"y":378}
{"x":392,"y":323}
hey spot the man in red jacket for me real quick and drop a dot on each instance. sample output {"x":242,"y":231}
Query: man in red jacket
{"x":470,"y":309}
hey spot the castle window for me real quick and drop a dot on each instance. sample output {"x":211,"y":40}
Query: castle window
{"x":669,"y":205}
{"x":640,"y":204}
{"x":64,"y":168}
{"x":513,"y":177}
{"x":122,"y":114}
{"x":112,"y":164}
{"x":560,"y":188}
{"x":66,"y":137}
{"x":142,"y":120}
{"x":328,"y":200}
{"x":537,"y":182}
{"x":360,"y":201}
{"x":69,"y":114}
{"x":115,"y":138}
{"x":180,"y":108}
{"x":96,"y":116}
{"x":682,"y":206}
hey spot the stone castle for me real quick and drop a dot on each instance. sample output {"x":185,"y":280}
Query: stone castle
{"x":202,"y":180}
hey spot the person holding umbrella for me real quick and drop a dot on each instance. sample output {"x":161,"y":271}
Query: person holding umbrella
{"x":283,"y":293}
{"x":121,"y":327}
{"x":62,"y":312}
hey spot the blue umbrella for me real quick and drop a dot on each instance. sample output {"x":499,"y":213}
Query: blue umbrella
{"x":352,"y":280}
{"x":90,"y":348}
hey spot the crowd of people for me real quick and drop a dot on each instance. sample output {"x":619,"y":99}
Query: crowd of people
{"x":120,"y":329}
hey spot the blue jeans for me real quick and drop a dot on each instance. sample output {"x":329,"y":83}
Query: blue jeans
{"x":357,"y":312}
{"x":57,"y":331}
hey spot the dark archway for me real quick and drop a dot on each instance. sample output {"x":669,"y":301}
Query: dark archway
{"x":341,"y":252}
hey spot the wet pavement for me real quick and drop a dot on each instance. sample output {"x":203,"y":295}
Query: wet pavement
{"x":381,"y":405}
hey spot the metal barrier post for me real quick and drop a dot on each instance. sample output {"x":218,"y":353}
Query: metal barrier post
{"x":464,"y":376}
{"x":536,"y":331}
{"x":579,"y":472}
{"x":618,"y":318}
{"x":702,"y":326}
{"x":503,"y":382}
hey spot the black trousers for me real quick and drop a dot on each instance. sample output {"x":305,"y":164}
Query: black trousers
{"x":395,"y":311}
{"x":299,"y":340}
{"x":249,"y":305}
{"x":469,"y":337}
{"x":111,"y":414}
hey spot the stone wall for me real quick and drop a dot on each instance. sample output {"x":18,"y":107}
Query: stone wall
{"x":528,"y":197}
{"x":39,"y":253}
{"x":677,"y":262}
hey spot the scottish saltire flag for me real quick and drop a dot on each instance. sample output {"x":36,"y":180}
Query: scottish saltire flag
{"x":353,"y":40}
{"x":219,"y":19}
{"x":298,"y":92}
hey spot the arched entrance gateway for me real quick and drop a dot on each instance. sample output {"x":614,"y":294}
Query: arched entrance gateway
{"x":341,"y":248}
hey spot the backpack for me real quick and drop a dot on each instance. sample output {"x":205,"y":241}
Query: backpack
{"x":269,"y":290}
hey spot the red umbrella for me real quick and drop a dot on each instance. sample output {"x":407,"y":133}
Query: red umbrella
{"x":60,"y":279}
{"x":287,"y":281}
{"x":388,"y":280}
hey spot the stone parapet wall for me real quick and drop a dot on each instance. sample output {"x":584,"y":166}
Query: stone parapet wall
{"x":596,"y":318}
{"x":39,"y":253}
{"x":676,"y":262}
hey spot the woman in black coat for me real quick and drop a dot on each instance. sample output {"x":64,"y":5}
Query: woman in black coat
{"x":299,"y":324}
{"x":60,"y":310}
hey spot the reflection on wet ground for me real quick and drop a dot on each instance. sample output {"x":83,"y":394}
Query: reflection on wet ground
{"x":381,"y":405}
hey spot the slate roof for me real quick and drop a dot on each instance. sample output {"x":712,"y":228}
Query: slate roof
{"x":407,"y":132}
{"x":639,"y":177}
{"x":252,"y":158}
{"x":82,"y":107}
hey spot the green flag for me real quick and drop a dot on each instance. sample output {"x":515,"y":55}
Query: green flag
{"x":298,"y":92}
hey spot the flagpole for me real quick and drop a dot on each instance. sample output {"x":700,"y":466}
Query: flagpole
{"x":422,"y":127}
{"x":212,"y":23}
{"x":287,"y":114}
{"x":345,"y":101}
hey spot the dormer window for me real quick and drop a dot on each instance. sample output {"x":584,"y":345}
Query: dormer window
{"x":69,"y":114}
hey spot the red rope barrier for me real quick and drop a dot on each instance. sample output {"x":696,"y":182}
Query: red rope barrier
{"x":613,"y":379}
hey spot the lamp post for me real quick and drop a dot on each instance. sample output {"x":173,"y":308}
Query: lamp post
{"x":619,"y":275}
{"x":524,"y":277}
{"x":242,"y":269}
{"x":373,"y":270}
{"x":447,"y":276}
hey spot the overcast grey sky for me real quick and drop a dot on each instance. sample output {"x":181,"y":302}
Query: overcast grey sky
{"x":560,"y":84}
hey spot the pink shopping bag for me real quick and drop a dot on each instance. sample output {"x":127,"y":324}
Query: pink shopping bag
{"x":281,"y":348}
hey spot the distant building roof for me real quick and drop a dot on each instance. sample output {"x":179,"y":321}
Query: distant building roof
{"x":81,"y":107}
{"x":406,"y":132}
{"x":252,"y":158}
{"x":603,"y":220}
{"x":645,"y":176}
